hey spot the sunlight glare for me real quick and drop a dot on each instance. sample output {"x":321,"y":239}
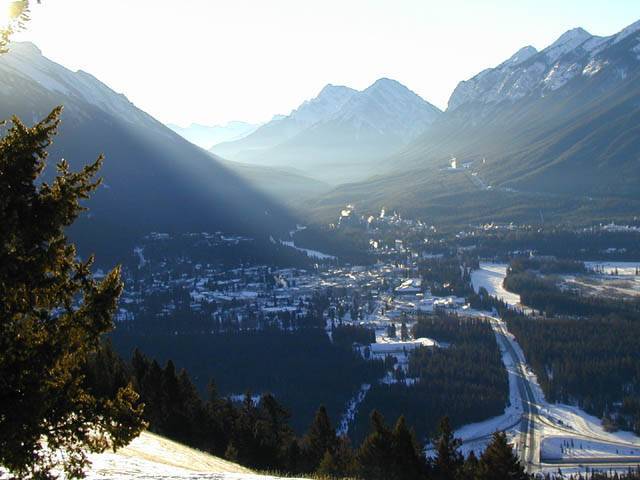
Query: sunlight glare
{"x":9,"y":11}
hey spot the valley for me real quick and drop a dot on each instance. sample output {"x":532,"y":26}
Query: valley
{"x":427,"y":270}
{"x":365,"y":304}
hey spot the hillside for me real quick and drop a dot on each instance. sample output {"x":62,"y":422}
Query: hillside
{"x":153,"y":457}
{"x":154,"y":180}
{"x":287,"y":186}
{"x":545,"y":136}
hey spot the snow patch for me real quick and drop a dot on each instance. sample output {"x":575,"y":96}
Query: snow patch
{"x":593,"y":67}
{"x":491,"y":276}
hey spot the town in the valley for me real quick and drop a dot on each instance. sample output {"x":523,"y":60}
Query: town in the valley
{"x":415,"y":273}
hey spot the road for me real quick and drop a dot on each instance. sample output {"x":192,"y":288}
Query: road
{"x":528,"y":446}
{"x":529,"y":432}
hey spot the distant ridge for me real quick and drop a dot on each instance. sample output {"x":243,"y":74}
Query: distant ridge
{"x":556,"y":131}
{"x":337,"y":135}
{"x":154,"y":180}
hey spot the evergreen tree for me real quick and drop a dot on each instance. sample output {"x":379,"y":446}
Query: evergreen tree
{"x":470,"y":467}
{"x":409,"y":459}
{"x":498,"y":462}
{"x":448,"y":460}
{"x":273,"y":435}
{"x":53,"y":314}
{"x":320,"y":439}
{"x":341,"y":463}
{"x":376,"y":452}
{"x":390,"y":454}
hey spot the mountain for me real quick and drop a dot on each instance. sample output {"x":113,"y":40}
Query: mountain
{"x":549,"y":134}
{"x":287,"y":186}
{"x":207,"y":136}
{"x":282,"y":128}
{"x":154,"y":180}
{"x":337,"y":136}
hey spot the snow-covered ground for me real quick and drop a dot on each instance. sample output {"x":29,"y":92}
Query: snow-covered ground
{"x":476,"y":436}
{"x":490,"y":276}
{"x":567,"y":447}
{"x":139,"y":251}
{"x":622,"y":268}
{"x":151,"y":457}
{"x":554,"y":424}
{"x":352,"y":408}
{"x":310,"y":253}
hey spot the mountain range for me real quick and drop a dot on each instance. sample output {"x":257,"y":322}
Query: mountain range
{"x":337,"y":135}
{"x":154,"y":180}
{"x":551,"y":134}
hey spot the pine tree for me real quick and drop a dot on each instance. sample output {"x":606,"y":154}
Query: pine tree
{"x":470,"y":467}
{"x":320,"y":438}
{"x":341,"y":463}
{"x":53,"y":314}
{"x":498,"y":462}
{"x":448,"y":460}
{"x":409,"y":459}
{"x":376,"y":452}
{"x":273,"y":434}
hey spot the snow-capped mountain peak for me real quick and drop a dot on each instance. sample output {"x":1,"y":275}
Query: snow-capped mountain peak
{"x":566,"y":42}
{"x":522,"y":55}
{"x":330,"y":99}
{"x":575,"y":53}
{"x":388,"y":108}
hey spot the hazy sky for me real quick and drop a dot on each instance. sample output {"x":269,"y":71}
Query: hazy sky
{"x":211,"y":61}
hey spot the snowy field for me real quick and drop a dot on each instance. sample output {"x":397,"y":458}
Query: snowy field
{"x":310,"y":253}
{"x":490,"y":276}
{"x":151,"y":457}
{"x":569,"y":448}
{"x":607,"y":279}
{"x":609,"y":268}
{"x":556,"y":425}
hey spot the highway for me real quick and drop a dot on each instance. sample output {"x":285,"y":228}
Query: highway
{"x":528,"y":447}
{"x":529,"y":432}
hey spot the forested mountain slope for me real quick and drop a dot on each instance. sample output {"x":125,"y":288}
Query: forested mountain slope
{"x":553,"y":131}
{"x":154,"y":180}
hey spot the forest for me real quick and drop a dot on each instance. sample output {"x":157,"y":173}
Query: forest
{"x":448,"y":275}
{"x":592,"y":362}
{"x":586,"y":244}
{"x":466,"y":380}
{"x":256,"y":432}
{"x":302,"y":368}
{"x":541,"y":292}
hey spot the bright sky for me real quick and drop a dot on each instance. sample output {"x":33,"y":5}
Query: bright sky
{"x":211,"y":61}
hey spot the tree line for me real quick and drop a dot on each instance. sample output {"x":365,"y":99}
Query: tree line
{"x":256,"y":431}
{"x":302,"y":368}
{"x":542,"y":293}
{"x":593,"y":362}
{"x":464,"y":379}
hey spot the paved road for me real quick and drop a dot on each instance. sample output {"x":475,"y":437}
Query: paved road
{"x":529,"y":442}
{"x":528,"y":448}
